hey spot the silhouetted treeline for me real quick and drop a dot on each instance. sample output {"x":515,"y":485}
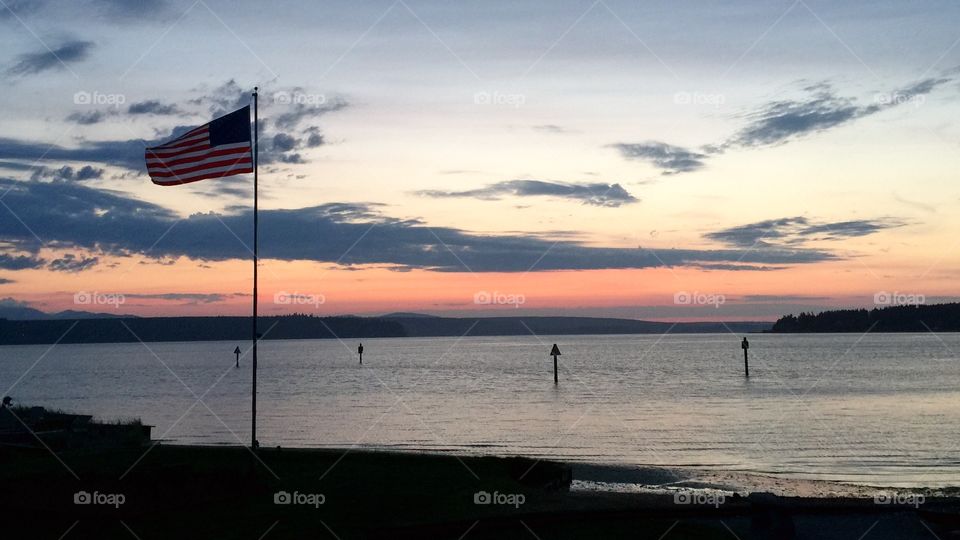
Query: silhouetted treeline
{"x":126,"y":330}
{"x":922,"y":318}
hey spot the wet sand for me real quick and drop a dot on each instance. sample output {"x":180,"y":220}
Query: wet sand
{"x":641,"y":479}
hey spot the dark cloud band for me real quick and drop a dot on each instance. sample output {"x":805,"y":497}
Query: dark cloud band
{"x":70,"y":214}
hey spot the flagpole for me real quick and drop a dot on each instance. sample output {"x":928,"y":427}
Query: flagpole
{"x":256,"y":152}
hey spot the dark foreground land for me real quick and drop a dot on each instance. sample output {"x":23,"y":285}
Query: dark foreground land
{"x":228,"y":492}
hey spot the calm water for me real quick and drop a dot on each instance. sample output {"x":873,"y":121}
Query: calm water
{"x":884,"y":409}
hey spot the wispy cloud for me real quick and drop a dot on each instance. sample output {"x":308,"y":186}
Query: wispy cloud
{"x":287,"y":129}
{"x":595,"y":194}
{"x":668,"y":158}
{"x":50,"y":59}
{"x":11,"y":9}
{"x":795,"y":231}
{"x":72,"y":263}
{"x":153,"y":106}
{"x":194,"y":298}
{"x":781,"y":121}
{"x":124,"y":11}
{"x":108,"y":223}
{"x":550,"y":128}
{"x":778,"y":122}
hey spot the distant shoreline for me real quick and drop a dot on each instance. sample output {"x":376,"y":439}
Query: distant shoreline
{"x":165,"y":329}
{"x":889,"y":319}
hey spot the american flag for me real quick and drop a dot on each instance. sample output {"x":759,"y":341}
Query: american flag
{"x":220,"y":148}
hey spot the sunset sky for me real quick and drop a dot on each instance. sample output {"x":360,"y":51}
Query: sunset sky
{"x":716,"y":160}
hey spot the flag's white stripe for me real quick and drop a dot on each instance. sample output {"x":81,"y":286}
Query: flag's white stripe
{"x":184,"y":177}
{"x":170,"y":152}
{"x":237,"y":155}
{"x":161,"y":159}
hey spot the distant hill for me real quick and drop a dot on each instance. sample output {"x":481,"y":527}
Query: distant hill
{"x":524,"y":326}
{"x":123,"y":330}
{"x":922,"y":318}
{"x":18,"y":311}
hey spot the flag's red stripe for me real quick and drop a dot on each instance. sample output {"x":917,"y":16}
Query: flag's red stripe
{"x":195,"y":152}
{"x":213,"y":165}
{"x":167,"y":162}
{"x":221,"y":174}
{"x":173,"y":153}
{"x":193,"y":163}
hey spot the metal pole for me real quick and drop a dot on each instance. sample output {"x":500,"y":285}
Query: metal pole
{"x":256,"y":152}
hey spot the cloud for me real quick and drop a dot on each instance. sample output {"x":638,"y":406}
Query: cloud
{"x":109,"y":223}
{"x":314,"y":137}
{"x":595,"y":194}
{"x":737,"y":266}
{"x":4,"y":281}
{"x":198,"y":298}
{"x":782,"y":298}
{"x":795,"y":231}
{"x":131,"y":10}
{"x":20,"y":251}
{"x":288,"y":117}
{"x":231,"y":186}
{"x":13,"y":9}
{"x":670,"y":159}
{"x":225,"y":98}
{"x":778,"y":122}
{"x":781,"y":121}
{"x":283,"y":142}
{"x":550,"y":128}
{"x":153,"y":106}
{"x":292,"y":115}
{"x":68,"y":173}
{"x":87,"y":118}
{"x":71,"y":263}
{"x":127,"y":154}
{"x":299,"y":121}
{"x":36,"y":62}
{"x":20,"y":262}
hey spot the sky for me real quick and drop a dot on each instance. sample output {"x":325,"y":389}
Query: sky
{"x":661,"y":160}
